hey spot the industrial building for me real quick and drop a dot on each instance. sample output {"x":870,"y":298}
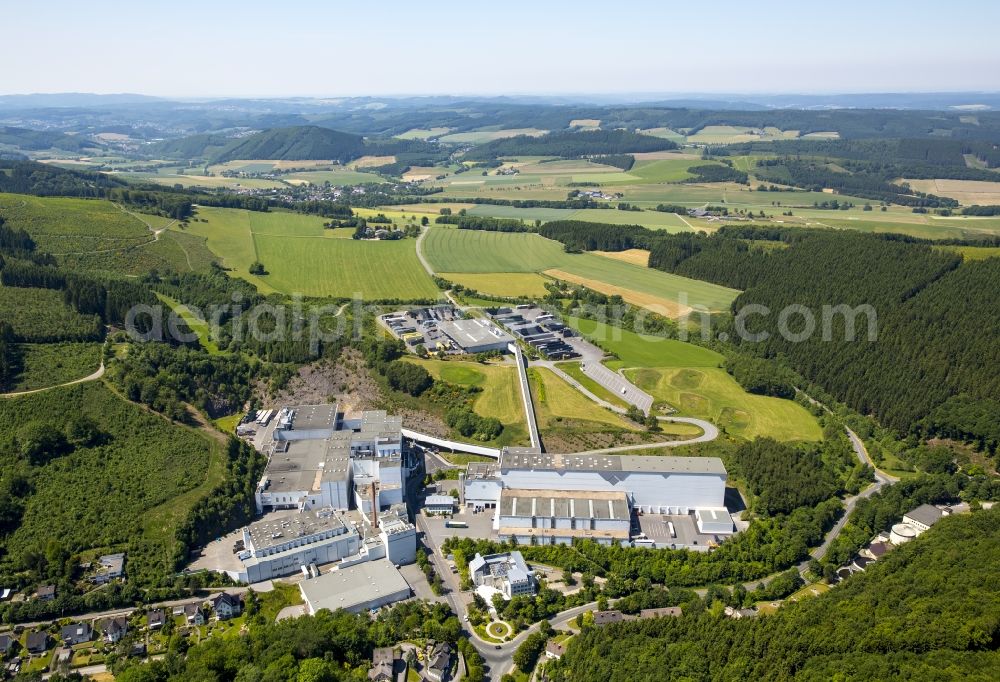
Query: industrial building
{"x":654,"y":485}
{"x":714,"y":521}
{"x":439,"y":504}
{"x":280,"y":546}
{"x":558,"y":517}
{"x":320,"y":458}
{"x":357,"y":588}
{"x":508,"y":574}
{"x":480,"y":485}
{"x":476,"y":335}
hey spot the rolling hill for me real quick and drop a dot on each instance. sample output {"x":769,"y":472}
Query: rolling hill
{"x":296,"y":143}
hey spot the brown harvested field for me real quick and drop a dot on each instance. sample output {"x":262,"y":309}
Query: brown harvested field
{"x":585,"y":123}
{"x":966,"y":192}
{"x":369,"y":161}
{"x":421,"y":173}
{"x":660,"y":306}
{"x":633,"y":256}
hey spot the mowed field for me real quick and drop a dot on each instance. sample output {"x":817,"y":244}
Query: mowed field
{"x":473,"y":251}
{"x":484,"y":135}
{"x":302,"y":257}
{"x":712,"y":394}
{"x":500,"y":283}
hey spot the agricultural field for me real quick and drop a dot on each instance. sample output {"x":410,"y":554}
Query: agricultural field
{"x":337,"y":176}
{"x":711,"y":393}
{"x":300,"y":256}
{"x":41,"y":365}
{"x":500,"y":283}
{"x":638,"y":257}
{"x":40,"y":315}
{"x":484,"y":135}
{"x":473,"y":251}
{"x":207,"y":181}
{"x":966,"y":192}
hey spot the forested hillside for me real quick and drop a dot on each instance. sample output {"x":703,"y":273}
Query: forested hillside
{"x":927,"y":611}
{"x":571,"y":144}
{"x":303,"y":142}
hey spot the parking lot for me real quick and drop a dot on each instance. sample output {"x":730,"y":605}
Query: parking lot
{"x":618,"y":385}
{"x":420,"y":327}
{"x":539,"y":329}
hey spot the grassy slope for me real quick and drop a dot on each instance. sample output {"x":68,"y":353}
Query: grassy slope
{"x":95,"y":235}
{"x":690,"y":379}
{"x":501,"y":395}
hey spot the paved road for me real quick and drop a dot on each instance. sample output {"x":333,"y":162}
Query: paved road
{"x":710,"y":431}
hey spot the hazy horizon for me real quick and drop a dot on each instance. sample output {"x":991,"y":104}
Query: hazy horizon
{"x":306,"y":48}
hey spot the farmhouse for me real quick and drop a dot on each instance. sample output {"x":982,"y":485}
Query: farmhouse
{"x":364,"y":586}
{"x":508,"y":574}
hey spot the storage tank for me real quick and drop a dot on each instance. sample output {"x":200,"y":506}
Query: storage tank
{"x":902,"y":532}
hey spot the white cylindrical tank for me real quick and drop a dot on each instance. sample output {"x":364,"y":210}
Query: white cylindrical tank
{"x":902,"y":532}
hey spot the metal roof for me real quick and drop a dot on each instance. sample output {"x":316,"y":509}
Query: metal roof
{"x":353,"y":587}
{"x":513,"y":459}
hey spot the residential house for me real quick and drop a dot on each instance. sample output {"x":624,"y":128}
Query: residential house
{"x":114,"y":629}
{"x":607,"y":617}
{"x":194,"y":615}
{"x":111,"y":567}
{"x":555,"y":650}
{"x":45,"y":593}
{"x":439,"y":659}
{"x":738,"y":614}
{"x":226,"y":605}
{"x":383,"y":665}
{"x":155,"y":619}
{"x":77,"y":633}
{"x":37,"y":642}
{"x":923,"y":517}
{"x":6,"y":643}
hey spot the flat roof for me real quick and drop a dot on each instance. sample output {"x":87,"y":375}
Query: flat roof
{"x":307,"y":417}
{"x":512,"y":459}
{"x":304,"y":464}
{"x":481,"y":470}
{"x":354,"y":587}
{"x":298,"y":525}
{"x":469,"y":333}
{"x":564,"y":504}
{"x":439,"y":501}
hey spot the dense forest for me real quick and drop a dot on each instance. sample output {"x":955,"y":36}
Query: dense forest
{"x":925,"y":611}
{"x":570,"y":145}
{"x":931,"y":368}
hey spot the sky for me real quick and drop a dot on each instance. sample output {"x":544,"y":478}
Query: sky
{"x":220,"y":48}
